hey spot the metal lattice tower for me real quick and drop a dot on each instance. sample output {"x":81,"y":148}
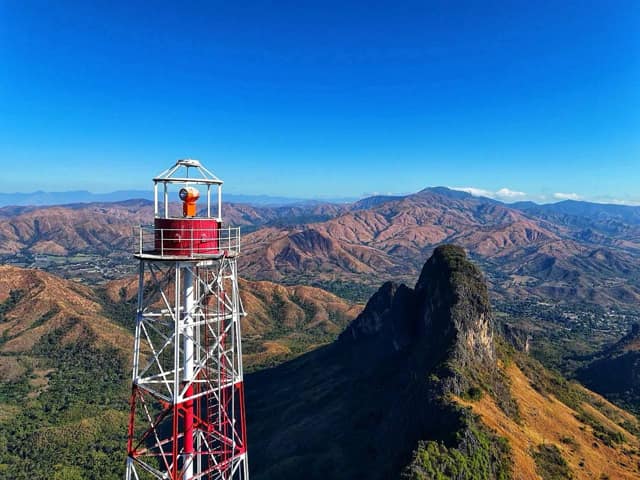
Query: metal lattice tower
{"x":187,"y":416}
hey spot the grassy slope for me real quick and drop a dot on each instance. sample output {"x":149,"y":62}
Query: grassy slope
{"x":595,"y":438}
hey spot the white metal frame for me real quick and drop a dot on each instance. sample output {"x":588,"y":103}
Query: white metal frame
{"x":166,"y":317}
{"x":180,"y":173}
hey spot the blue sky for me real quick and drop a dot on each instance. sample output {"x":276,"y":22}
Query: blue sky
{"x":514,"y":99}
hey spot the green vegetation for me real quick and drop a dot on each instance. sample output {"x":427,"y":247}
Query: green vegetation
{"x":606,"y":435}
{"x":122,"y":311}
{"x":550,"y":463}
{"x":352,"y":291}
{"x":570,"y":441}
{"x":480,"y":455}
{"x":15,"y":390}
{"x":76,"y":427}
{"x":473,"y":394}
{"x":632,"y":427}
{"x":566,"y":336}
{"x":44,"y":318}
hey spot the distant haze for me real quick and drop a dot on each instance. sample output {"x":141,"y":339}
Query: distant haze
{"x":41,"y":198}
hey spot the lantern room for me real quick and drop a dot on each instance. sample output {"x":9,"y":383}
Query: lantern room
{"x":187,"y":215}
{"x":191,"y":181}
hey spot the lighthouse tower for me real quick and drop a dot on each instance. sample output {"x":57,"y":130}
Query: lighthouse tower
{"x":187,"y":416}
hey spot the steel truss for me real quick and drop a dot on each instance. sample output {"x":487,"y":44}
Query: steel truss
{"x":187,"y":417}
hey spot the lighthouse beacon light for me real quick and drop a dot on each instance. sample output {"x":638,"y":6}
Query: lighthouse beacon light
{"x":187,"y":414}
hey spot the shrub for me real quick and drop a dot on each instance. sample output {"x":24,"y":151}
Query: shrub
{"x":550,"y":464}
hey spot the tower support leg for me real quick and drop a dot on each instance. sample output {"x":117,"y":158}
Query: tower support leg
{"x":188,"y":371}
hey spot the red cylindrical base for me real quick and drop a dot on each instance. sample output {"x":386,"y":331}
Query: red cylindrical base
{"x":187,"y":236}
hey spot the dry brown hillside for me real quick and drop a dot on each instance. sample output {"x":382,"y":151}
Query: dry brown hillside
{"x":68,"y":229}
{"x":281,"y":321}
{"x":36,"y":302}
{"x":596,"y":439}
{"x":37,"y":308}
{"x":104,"y":227}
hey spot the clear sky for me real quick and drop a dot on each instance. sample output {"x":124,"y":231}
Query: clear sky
{"x":320,"y":99}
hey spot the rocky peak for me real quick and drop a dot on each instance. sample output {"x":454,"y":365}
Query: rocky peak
{"x":454,"y":304}
{"x":448,"y":310}
{"x":388,"y":376}
{"x":387,"y":319}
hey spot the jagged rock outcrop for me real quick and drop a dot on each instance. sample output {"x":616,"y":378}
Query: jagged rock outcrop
{"x":518,"y":338}
{"x":446,"y":316}
{"x":454,"y":304}
{"x":450,"y":301}
{"x":389,"y":317}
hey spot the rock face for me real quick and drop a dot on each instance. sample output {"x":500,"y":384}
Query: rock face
{"x":518,"y":338}
{"x":455,"y":305}
{"x":389,"y":318}
{"x":448,"y":308}
{"x":359,"y":407}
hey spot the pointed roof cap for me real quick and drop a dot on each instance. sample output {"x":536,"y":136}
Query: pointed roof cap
{"x":182,"y":172}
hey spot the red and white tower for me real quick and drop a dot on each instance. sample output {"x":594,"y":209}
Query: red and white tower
{"x":187,"y":399}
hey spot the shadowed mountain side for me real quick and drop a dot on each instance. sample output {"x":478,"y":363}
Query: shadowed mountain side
{"x":615,"y":372}
{"x":65,"y":351}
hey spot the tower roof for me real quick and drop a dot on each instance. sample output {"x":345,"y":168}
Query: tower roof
{"x":187,"y":170}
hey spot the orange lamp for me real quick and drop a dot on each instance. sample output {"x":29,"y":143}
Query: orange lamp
{"x":189,"y":197}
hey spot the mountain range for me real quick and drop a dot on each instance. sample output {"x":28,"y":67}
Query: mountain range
{"x":565,"y":252}
{"x":557,"y":257}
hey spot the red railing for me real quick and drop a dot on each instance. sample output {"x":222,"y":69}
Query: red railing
{"x":187,"y":242}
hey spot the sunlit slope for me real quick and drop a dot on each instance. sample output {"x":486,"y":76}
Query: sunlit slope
{"x":596,"y":439}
